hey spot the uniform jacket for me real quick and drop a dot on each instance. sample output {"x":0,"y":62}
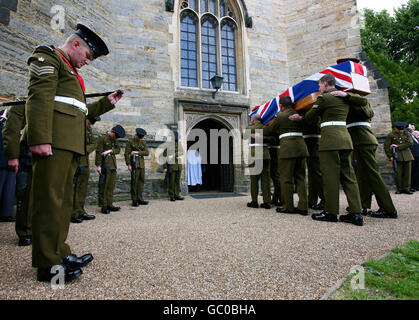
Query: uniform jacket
{"x":331,"y":108}
{"x":311,"y":135}
{"x":265,"y":151}
{"x":292,"y":146}
{"x":11,"y":130}
{"x":177,"y":155}
{"x":135,"y":145}
{"x":90,"y":146}
{"x":57,"y":123}
{"x":360,"y":111}
{"x":104,"y":143}
{"x":404,"y":141}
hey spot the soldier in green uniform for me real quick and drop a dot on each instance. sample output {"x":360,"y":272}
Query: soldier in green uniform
{"x":292,"y":158}
{"x":259,"y":170}
{"x":105,"y":160}
{"x":81,"y":177}
{"x":401,"y":141}
{"x":135,"y":151}
{"x":20,"y":161}
{"x":173,"y":167}
{"x":56,"y":114}
{"x":335,"y":149}
{"x":365,"y":146}
{"x":273,"y":146}
{"x":311,"y":135}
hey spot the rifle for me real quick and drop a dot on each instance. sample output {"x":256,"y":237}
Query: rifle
{"x":393,"y":150}
{"x":79,"y":171}
{"x":89,"y":95}
{"x":134,"y":167}
{"x":104,"y":170}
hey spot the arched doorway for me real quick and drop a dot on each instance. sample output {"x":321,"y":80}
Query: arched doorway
{"x":216,"y":152}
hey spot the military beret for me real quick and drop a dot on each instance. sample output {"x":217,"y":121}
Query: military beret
{"x":94,"y":120}
{"x":140,"y":132}
{"x":119,"y":131}
{"x":400,"y":124}
{"x":95,"y":43}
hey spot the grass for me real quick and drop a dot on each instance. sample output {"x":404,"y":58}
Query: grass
{"x":394,"y":277}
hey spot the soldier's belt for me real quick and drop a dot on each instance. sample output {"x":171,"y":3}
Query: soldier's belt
{"x":333,"y":123}
{"x":258,"y":145}
{"x":291,"y":134}
{"x":274,"y":147}
{"x":74,"y":102}
{"x":306,"y":136}
{"x":354,"y":124}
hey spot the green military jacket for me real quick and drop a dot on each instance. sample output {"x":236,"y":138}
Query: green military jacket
{"x":136,"y":145}
{"x":311,"y":135}
{"x":265,"y":151}
{"x":90,"y":146}
{"x":331,"y":108}
{"x":104,"y":143}
{"x":177,"y":153}
{"x":290,"y":146}
{"x":11,"y":131}
{"x":359,"y":121}
{"x":63,"y":125}
{"x":404,"y":141}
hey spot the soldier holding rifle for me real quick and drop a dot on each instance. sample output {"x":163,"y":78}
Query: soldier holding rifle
{"x":135,"y":151}
{"x":56,"y":113}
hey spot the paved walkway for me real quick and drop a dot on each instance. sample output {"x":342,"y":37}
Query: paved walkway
{"x":208,"y":249}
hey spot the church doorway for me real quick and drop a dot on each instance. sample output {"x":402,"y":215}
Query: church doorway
{"x":215,"y":147}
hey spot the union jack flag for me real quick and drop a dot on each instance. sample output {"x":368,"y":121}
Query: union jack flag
{"x":341,"y":71}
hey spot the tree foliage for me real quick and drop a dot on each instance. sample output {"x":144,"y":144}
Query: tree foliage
{"x":392,"y":44}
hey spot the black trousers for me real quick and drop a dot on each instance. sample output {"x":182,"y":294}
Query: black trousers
{"x":415,"y":174}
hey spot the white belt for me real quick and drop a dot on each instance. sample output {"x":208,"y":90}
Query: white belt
{"x":306,"y":136}
{"x":358,"y":124}
{"x":74,"y":102}
{"x":333,"y":123}
{"x":257,"y":145}
{"x":274,"y":147}
{"x":291,"y":134}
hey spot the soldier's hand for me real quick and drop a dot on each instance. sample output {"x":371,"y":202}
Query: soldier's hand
{"x":165,"y":170}
{"x":129,"y":167}
{"x":296,"y":117}
{"x":394,"y":145}
{"x":134,"y":152}
{"x":13,"y":164}
{"x":43,"y":150}
{"x":99,"y":169}
{"x":338,"y":93}
{"x":116,"y":96}
{"x":255,"y":135}
{"x":106,"y":152}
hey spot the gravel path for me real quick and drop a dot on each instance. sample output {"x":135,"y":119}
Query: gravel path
{"x":208,"y":249}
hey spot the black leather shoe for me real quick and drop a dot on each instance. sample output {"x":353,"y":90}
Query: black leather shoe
{"x":324,"y":216}
{"x":253,"y":204}
{"x":276,"y":203}
{"x":412,"y":190}
{"x":135,"y":204}
{"x":382,"y":214}
{"x":86,"y":216}
{"x":398,"y":192}
{"x":105,"y":210}
{"x":172,"y":199}
{"x":45,"y":275}
{"x":364,"y":211}
{"x":113,"y":208}
{"x":302,"y":212}
{"x":354,"y":218}
{"x":179,"y":198}
{"x":76,"y":219}
{"x":143,"y":202}
{"x":25,"y":241}
{"x":407,"y":192}
{"x":283,"y":210}
{"x":265,"y":205}
{"x":74,"y":262}
{"x":7,"y":219}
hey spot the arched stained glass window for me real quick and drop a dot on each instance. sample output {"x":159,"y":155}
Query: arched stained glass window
{"x":228,"y":54}
{"x":209,"y":43}
{"x":188,"y":50}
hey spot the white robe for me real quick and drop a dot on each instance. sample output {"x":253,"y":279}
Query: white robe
{"x":194,"y":167}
